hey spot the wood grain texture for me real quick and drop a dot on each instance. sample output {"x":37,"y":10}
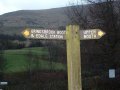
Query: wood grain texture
{"x":73,"y":57}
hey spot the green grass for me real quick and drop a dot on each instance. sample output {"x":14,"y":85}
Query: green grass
{"x":17,"y":61}
{"x":36,"y":50}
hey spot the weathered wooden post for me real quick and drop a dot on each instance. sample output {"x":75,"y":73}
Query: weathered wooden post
{"x":73,"y":57}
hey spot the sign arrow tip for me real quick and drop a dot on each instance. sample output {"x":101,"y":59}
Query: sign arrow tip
{"x":101,"y":33}
{"x":26,"y":33}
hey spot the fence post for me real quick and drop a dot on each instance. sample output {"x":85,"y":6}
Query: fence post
{"x":73,"y":57}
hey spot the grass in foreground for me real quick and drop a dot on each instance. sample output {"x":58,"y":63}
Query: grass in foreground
{"x":17,"y":60}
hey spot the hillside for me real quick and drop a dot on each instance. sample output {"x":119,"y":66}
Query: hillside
{"x":13,"y":22}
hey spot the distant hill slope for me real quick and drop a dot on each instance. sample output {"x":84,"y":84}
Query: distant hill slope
{"x":13,"y":22}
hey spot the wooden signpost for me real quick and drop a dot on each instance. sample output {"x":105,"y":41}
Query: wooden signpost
{"x":61,"y":34}
{"x":72,"y":35}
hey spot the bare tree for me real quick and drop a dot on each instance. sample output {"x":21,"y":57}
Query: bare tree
{"x":103,"y":14}
{"x":76,"y":14}
{"x":30,"y":60}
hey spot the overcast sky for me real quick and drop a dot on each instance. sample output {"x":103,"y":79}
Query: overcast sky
{"x":14,"y":5}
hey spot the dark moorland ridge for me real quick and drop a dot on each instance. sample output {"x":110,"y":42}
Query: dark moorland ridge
{"x":55,"y":18}
{"x":13,"y":22}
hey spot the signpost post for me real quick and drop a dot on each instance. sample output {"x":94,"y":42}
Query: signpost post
{"x":73,"y":58}
{"x":72,"y":35}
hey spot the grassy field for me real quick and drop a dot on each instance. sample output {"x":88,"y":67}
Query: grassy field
{"x":17,"y":60}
